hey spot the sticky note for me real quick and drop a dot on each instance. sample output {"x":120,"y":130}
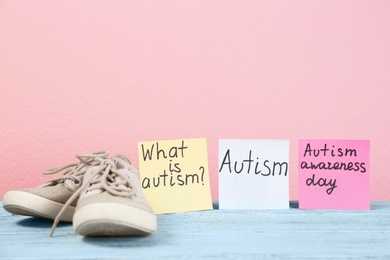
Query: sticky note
{"x":253,"y":174}
{"x":175,"y":175}
{"x":334,"y":174}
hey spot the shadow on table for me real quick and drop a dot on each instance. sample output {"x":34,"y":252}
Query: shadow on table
{"x":32,"y":222}
{"x":117,"y":242}
{"x":293,"y":204}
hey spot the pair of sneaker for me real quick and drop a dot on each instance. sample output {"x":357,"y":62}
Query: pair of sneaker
{"x":102,"y":197}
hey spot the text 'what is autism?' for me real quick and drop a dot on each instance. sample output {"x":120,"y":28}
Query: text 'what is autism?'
{"x":173,"y":174}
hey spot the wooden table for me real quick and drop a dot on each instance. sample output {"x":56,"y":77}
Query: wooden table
{"x":225,"y":234}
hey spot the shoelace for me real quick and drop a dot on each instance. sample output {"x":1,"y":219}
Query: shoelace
{"x":74,"y":170}
{"x":111,"y":180}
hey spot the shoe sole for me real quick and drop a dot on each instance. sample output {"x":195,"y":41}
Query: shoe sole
{"x":111,"y":219}
{"x":28,"y":204}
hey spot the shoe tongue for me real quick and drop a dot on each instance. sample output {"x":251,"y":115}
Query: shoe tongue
{"x":89,"y":191}
{"x":121,"y":161}
{"x":87,"y":178}
{"x":71,"y":185}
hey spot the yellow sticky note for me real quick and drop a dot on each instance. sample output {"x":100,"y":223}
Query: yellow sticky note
{"x":175,"y":175}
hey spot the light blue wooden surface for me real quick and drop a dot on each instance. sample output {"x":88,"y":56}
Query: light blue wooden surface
{"x":225,"y":234}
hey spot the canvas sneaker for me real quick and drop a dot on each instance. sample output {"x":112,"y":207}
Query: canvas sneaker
{"x":111,"y":202}
{"x":46,"y":201}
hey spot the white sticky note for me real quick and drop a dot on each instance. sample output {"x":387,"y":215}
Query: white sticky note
{"x":253,"y":174}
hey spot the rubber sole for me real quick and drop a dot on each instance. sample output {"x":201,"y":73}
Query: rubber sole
{"x":28,"y":204}
{"x":113,"y":219}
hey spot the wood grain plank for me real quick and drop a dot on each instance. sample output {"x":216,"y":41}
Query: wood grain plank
{"x":231,"y":234}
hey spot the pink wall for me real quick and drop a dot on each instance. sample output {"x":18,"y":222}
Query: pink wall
{"x":79,"y":76}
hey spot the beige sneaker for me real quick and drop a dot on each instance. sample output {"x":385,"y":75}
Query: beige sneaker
{"x":47,"y":200}
{"x":111,"y":202}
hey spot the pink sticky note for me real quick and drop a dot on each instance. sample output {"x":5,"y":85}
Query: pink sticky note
{"x":334,"y":174}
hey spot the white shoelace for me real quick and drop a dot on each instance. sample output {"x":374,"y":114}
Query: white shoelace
{"x":74,"y":170}
{"x":109,"y":179}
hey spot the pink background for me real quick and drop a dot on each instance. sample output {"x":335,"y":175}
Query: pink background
{"x":80,"y":76}
{"x":351,"y":190}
